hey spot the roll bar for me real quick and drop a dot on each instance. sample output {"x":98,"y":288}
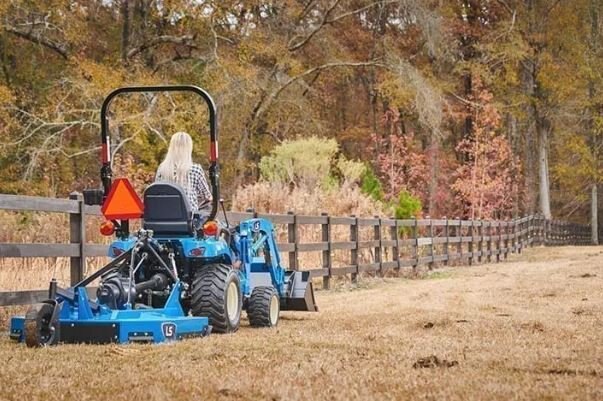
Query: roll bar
{"x":214,"y":169}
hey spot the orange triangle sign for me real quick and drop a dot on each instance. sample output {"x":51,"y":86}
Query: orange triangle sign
{"x":122,"y":202}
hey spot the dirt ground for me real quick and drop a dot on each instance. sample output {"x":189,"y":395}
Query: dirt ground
{"x":529,"y":328}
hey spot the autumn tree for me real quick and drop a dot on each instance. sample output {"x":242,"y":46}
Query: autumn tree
{"x":486,"y":183}
{"x":281,"y":71}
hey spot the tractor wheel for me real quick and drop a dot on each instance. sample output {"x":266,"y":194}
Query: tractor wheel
{"x":38,"y":329}
{"x":264,"y":307}
{"x":216,"y":294}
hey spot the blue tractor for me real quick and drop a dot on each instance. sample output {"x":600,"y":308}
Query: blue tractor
{"x":181,"y":275}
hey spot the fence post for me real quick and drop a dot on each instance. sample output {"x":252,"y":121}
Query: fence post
{"x":515,"y":240}
{"x":470,"y":245}
{"x":292,"y":239}
{"x":415,"y":233}
{"x":517,"y":235}
{"x":480,"y":243}
{"x":506,"y":239}
{"x":498,"y":240}
{"x":542,"y":229}
{"x":529,"y":234}
{"x":326,"y":254}
{"x":354,"y":251}
{"x":431,"y":247}
{"x":446,"y":244}
{"x":458,"y":231}
{"x":524,"y":238}
{"x":393,"y":233}
{"x":377,"y":237}
{"x":77,"y":235}
{"x":489,"y":242}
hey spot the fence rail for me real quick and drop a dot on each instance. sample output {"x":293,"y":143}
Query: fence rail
{"x":375,"y":245}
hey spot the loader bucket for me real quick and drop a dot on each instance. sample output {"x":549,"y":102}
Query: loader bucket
{"x":299,"y":293}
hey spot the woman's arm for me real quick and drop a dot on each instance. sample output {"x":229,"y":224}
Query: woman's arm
{"x":200,"y":185}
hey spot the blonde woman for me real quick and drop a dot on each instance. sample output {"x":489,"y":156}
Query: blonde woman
{"x":178,"y":168}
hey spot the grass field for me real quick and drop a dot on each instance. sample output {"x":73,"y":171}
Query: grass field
{"x":530,"y":328}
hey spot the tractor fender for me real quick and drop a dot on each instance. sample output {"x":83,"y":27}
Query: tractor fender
{"x":121,"y":246}
{"x":207,"y":248}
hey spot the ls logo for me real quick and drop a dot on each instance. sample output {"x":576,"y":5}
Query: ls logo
{"x":169,"y":331}
{"x":256,"y":226}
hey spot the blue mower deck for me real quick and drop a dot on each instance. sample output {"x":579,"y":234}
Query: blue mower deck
{"x":78,"y":323}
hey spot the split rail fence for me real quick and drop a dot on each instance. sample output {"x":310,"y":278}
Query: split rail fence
{"x":346,"y":245}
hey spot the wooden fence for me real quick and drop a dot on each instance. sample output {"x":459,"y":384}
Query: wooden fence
{"x":375,"y":245}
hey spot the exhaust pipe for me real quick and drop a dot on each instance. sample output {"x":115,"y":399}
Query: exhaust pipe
{"x":299,"y":292}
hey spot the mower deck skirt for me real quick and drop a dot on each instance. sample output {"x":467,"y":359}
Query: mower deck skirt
{"x":124,"y":326}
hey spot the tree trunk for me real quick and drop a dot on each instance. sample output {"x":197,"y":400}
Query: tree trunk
{"x":594,"y":215}
{"x":528,"y":74}
{"x":125,"y":31}
{"x":543,"y":167}
{"x":594,"y":109}
{"x":433,"y":182}
{"x":530,"y":148}
{"x":513,"y":140}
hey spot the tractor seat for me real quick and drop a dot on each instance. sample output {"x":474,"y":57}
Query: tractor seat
{"x":167,"y":210}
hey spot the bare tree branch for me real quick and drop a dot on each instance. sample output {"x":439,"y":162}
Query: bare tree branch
{"x":327,"y":21}
{"x":324,"y":22}
{"x":178,"y":40}
{"x":38,"y":38}
{"x":76,"y":154}
{"x":274,"y":94}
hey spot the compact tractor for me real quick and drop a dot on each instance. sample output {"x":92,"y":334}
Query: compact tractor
{"x":181,"y":275}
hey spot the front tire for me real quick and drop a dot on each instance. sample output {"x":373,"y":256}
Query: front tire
{"x":264,"y":307}
{"x":216,"y":294}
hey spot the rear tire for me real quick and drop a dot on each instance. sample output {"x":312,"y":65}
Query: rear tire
{"x":216,"y":294}
{"x":38,"y":329}
{"x":264,"y":307}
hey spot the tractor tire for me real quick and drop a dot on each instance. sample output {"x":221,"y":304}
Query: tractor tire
{"x":38,"y":330}
{"x":264,"y":307}
{"x":216,"y":294}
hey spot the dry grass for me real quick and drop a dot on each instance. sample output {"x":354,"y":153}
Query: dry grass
{"x":526,"y":329}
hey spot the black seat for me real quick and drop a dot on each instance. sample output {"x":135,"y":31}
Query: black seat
{"x":167,"y":210}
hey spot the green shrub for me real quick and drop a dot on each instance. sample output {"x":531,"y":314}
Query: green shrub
{"x":370,"y":185}
{"x":408,"y":206}
{"x":310,"y":162}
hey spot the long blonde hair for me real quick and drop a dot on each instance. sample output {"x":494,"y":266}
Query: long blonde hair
{"x":178,"y":160}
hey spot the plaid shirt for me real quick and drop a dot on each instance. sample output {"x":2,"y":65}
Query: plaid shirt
{"x":199,"y":194}
{"x":197,"y":191}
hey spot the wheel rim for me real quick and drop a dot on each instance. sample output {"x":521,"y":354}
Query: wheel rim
{"x":274,"y":307}
{"x":46,"y":331}
{"x":232,"y":301}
